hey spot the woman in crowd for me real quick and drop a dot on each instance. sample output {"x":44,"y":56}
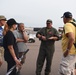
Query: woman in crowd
{"x":10,"y":46}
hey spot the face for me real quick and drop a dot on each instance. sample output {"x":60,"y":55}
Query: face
{"x":2,"y":22}
{"x":21,"y":27}
{"x":14,"y":26}
{"x":65,"y":20}
{"x":49,"y":25}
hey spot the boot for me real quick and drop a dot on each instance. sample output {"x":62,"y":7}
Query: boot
{"x":46,"y":73}
{"x":38,"y":73}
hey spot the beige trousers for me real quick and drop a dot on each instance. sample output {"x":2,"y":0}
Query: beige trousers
{"x":1,"y":54}
{"x":67,"y":65}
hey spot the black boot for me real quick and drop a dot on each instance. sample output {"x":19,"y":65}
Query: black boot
{"x":47,"y":73}
{"x":38,"y":73}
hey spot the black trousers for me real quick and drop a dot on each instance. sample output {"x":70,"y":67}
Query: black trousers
{"x":10,"y":64}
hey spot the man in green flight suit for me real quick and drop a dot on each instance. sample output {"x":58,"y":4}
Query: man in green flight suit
{"x":47,"y":35}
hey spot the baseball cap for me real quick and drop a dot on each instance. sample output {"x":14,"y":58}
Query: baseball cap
{"x":11,"y":21}
{"x":49,"y":21}
{"x":67,"y":15}
{"x":2,"y":17}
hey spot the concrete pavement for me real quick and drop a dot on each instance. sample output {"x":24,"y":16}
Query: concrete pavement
{"x":30,"y":64}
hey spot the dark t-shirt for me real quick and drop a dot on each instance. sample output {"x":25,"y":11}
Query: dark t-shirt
{"x":9,"y":39}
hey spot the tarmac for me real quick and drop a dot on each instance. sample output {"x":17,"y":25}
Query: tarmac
{"x":29,"y":67}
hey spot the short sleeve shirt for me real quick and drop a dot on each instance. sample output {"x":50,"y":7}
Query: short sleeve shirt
{"x":21,"y":45}
{"x":1,"y":36}
{"x":8,"y":40}
{"x":68,"y":27}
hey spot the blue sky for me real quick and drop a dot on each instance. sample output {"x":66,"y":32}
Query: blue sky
{"x":34,"y":13}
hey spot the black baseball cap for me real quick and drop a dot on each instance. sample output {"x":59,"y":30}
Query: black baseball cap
{"x":67,"y":15}
{"x":11,"y":21}
{"x":49,"y":21}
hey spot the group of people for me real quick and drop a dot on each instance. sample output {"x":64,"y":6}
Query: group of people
{"x":48,"y":35}
{"x":14,"y":43}
{"x":15,"y":38}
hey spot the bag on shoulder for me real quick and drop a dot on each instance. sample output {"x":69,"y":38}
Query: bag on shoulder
{"x":75,"y":32}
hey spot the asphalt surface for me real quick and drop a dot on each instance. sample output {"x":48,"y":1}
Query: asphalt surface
{"x":30,"y":64}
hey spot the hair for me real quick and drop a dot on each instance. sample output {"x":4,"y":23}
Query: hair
{"x":19,"y":24}
{"x":6,"y":28}
{"x":69,"y":18}
{"x":10,"y":26}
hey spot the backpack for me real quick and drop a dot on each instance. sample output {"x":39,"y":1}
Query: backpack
{"x":73,"y":23}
